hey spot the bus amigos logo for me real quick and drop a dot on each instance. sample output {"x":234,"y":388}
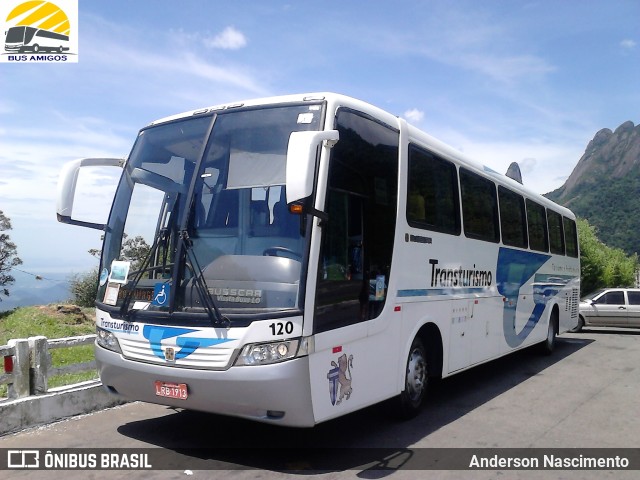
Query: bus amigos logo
{"x":38,"y":31}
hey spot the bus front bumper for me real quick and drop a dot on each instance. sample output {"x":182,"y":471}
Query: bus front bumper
{"x":278,"y":393}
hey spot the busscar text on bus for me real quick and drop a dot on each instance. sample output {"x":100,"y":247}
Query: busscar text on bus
{"x":310,"y":255}
{"x":24,"y":39}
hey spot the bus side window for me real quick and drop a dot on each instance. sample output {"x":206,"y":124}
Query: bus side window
{"x":570,"y":237}
{"x":556,"y":233}
{"x":513,"y":220}
{"x":537,"y":226}
{"x":432,"y":199}
{"x":479,"y":207}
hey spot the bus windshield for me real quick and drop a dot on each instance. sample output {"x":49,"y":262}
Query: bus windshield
{"x":200,"y":227}
{"x":20,"y":35}
{"x":15,"y":35}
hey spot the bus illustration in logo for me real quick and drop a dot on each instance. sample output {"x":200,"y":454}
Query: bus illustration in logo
{"x":38,"y":26}
{"x":29,"y":39}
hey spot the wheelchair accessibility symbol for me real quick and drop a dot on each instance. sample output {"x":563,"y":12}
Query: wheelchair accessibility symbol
{"x":161,"y":294}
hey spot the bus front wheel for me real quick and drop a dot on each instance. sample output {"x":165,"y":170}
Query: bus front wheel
{"x":36,"y":48}
{"x":415,"y":380}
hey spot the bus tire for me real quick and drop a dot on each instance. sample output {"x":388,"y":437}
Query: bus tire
{"x":549,"y":343}
{"x":415,"y":381}
{"x":578,"y":328}
{"x":36,"y":48}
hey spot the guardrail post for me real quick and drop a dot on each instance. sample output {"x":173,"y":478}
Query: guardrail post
{"x":19,"y":387}
{"x":39,"y":364}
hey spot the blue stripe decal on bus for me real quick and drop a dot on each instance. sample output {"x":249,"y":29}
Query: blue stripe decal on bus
{"x":434,"y":292}
{"x":515,"y":269}
{"x":156,"y":334}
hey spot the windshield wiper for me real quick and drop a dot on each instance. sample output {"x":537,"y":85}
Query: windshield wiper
{"x":217,"y":319}
{"x":162,"y":237}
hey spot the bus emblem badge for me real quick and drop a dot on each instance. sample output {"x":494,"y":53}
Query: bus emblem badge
{"x":170,"y":354}
{"x":340,"y":379}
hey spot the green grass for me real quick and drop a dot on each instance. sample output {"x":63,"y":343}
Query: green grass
{"x":52,"y":323}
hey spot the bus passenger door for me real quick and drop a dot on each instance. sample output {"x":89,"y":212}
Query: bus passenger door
{"x":343,"y":286}
{"x":338,"y":365}
{"x":351,"y":367}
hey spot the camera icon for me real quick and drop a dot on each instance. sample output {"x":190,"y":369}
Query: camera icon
{"x":23,"y":459}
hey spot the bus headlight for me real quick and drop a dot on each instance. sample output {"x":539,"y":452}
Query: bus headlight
{"x":107,"y":339}
{"x":272,"y":352}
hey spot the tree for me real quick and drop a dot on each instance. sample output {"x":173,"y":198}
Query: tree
{"x":592,"y":258}
{"x":602,"y":266}
{"x":8,"y":256}
{"x":133,"y":250}
{"x":84,"y":287}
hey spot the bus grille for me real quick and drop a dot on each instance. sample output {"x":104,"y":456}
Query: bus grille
{"x":209,"y":358}
{"x":573,"y":302}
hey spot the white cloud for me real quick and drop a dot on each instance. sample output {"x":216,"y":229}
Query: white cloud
{"x":414,"y":115}
{"x":34,"y":156}
{"x":228,"y":39}
{"x":628,"y":44}
{"x":176,"y":71}
{"x":32,"y":159}
{"x":190,"y":64}
{"x":505,"y":68}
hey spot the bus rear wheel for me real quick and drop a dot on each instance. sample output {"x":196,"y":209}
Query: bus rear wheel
{"x":415,"y":381}
{"x":549,"y":344}
{"x":578,"y":327}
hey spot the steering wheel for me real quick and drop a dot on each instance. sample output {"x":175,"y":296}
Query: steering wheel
{"x":273,"y":251}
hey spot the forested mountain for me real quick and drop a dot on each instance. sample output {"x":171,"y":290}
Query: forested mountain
{"x":604,"y":187}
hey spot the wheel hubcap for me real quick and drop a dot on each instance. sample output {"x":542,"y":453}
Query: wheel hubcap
{"x":416,"y":374}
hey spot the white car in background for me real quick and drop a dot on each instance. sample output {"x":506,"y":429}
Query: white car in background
{"x":610,"y":307}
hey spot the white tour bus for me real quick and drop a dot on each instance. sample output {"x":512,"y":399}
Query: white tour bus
{"x":307,"y":256}
{"x":30,"y":39}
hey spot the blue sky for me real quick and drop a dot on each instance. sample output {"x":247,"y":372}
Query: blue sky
{"x":527,"y":81}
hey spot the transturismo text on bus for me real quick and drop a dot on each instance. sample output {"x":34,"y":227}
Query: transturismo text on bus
{"x":459,"y":277}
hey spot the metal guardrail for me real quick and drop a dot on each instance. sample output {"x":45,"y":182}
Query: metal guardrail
{"x":27,"y":363}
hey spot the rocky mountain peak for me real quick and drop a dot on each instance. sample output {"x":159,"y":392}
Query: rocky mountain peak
{"x":609,"y":155}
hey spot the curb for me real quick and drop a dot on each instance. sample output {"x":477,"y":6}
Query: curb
{"x":57,"y":404}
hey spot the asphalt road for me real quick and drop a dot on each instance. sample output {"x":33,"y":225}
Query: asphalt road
{"x":585,"y":395}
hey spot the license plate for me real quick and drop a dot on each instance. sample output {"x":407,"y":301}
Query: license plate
{"x":172,"y":390}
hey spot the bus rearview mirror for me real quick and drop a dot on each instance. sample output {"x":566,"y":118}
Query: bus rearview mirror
{"x":301,"y":160}
{"x":67,"y":183}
